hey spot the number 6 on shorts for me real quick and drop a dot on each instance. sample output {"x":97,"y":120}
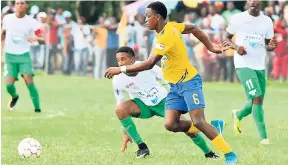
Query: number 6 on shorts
{"x":195,"y":98}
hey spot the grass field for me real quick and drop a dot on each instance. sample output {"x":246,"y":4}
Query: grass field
{"x":78,"y":126}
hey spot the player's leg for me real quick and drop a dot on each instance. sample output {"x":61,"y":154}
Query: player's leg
{"x":175,"y":105}
{"x":254,"y":83}
{"x":11,"y":74}
{"x":173,"y":122}
{"x":125,"y":111}
{"x":247,"y":108}
{"x":27,"y":71}
{"x":198,"y":118}
{"x":245,"y":76}
{"x":257,"y":109}
{"x":194,"y":98}
{"x":200,"y":141}
{"x":238,"y":115}
{"x":197,"y":138}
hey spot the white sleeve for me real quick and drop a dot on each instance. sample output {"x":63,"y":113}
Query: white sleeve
{"x":232,"y":26}
{"x":156,"y":70}
{"x":4,"y":22}
{"x":118,"y":92}
{"x":35,"y":24}
{"x":270,"y":30}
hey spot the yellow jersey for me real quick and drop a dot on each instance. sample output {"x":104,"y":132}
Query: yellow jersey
{"x":175,"y":64}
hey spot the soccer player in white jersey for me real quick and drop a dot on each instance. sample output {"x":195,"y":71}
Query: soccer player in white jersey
{"x":254,"y":36}
{"x":18,"y":29}
{"x":147,"y":99}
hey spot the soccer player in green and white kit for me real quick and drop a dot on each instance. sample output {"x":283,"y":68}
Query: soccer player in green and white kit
{"x":18,"y":30}
{"x":254,"y":35}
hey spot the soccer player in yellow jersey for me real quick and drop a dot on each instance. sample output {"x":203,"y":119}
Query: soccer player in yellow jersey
{"x":185,"y":94}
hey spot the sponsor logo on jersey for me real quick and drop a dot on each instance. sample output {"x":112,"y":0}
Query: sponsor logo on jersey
{"x":154,"y":101}
{"x":130,"y":85}
{"x":159,"y":46}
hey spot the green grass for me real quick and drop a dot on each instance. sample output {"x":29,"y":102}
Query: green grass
{"x":89,"y":132}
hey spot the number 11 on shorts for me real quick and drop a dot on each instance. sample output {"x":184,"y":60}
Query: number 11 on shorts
{"x":249,"y":84}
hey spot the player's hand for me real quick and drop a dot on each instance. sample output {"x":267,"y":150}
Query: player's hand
{"x":272,"y":44}
{"x":32,"y":39}
{"x":126,"y":139}
{"x":241,"y":50}
{"x":226,"y":45}
{"x":218,"y":49}
{"x":112,"y":71}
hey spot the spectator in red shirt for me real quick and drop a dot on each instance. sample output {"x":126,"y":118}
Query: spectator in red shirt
{"x":280,"y":61}
{"x":52,"y":41}
{"x":211,"y":61}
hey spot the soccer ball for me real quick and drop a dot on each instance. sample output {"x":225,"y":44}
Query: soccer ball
{"x":29,"y":147}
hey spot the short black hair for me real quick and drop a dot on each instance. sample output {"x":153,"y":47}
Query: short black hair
{"x":159,"y":8}
{"x":126,"y":49}
{"x":26,"y":1}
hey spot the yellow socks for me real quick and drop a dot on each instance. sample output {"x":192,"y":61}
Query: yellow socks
{"x":193,"y":129}
{"x":221,"y":144}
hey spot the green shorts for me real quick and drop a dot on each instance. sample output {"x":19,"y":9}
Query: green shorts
{"x":15,"y":64}
{"x":149,"y":111}
{"x":253,"y":81}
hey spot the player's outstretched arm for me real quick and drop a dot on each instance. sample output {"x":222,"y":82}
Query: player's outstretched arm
{"x":125,"y":141}
{"x":203,"y":37}
{"x":145,"y":65}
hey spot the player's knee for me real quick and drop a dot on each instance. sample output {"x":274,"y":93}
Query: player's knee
{"x":10,"y":80}
{"x":28,"y":79}
{"x":192,"y":135}
{"x":120,"y":111}
{"x":257,"y":100}
{"x":198,"y":123}
{"x":170,"y":126}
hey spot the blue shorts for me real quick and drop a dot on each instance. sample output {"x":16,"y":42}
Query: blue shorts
{"x":186,"y":96}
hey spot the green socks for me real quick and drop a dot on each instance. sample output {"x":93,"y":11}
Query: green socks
{"x":201,"y":143}
{"x":130,"y":128}
{"x":258,"y":115}
{"x":245,"y":111}
{"x":34,"y":95}
{"x":11,"y":90}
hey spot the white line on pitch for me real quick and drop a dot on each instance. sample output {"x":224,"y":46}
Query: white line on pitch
{"x":57,"y":114}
